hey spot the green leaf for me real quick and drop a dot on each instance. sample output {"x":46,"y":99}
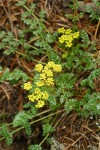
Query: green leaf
{"x":54,"y":56}
{"x":34,"y":147}
{"x":5,"y":132}
{"x":85,"y":38}
{"x":0,"y":69}
{"x":21,"y":3}
{"x":70,"y":105}
{"x":47,"y":128}
{"x":27,"y":127}
{"x":52,"y":101}
{"x":90,"y":80}
{"x":49,"y":38}
{"x":42,"y":14}
{"x":21,"y":118}
{"x":13,"y":76}
{"x":92,"y":104}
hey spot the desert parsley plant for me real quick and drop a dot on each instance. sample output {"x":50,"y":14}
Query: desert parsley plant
{"x":54,"y":85}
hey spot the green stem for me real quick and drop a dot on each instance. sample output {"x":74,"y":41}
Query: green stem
{"x":32,"y":122}
{"x":75,"y":12}
{"x":44,"y":139}
{"x":41,"y":113}
{"x":47,"y":116}
{"x":54,"y":127}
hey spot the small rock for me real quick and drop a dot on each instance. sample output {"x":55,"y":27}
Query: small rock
{"x":56,"y":145}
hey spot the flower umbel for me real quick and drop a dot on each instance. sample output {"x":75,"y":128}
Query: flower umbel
{"x":61,"y":30}
{"x":45,"y":79}
{"x":47,"y":74}
{"x":67,"y":37}
{"x":38,"y":96}
{"x":57,"y":68}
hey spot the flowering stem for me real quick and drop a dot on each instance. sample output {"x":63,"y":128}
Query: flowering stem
{"x":53,"y":126}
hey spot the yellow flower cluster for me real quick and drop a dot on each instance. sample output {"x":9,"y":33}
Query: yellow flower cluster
{"x":46,"y":78}
{"x":38,"y":96}
{"x":67,"y":36}
{"x":61,"y":30}
{"x":47,"y":73}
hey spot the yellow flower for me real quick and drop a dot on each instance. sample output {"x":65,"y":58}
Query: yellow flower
{"x":49,"y":81}
{"x":31,"y":97}
{"x":45,"y":69}
{"x":49,"y":73}
{"x":37,"y":90}
{"x":27,"y":86}
{"x":38,"y":96}
{"x":40,"y":104}
{"x":61,"y":30}
{"x":40,"y":83}
{"x":50,"y":64}
{"x":45,"y":95}
{"x":67,"y":37}
{"x":57,"y":68}
{"x":75,"y":35}
{"x":43,"y":76}
{"x":70,"y":38}
{"x":39,"y":67}
{"x":63,"y":38}
{"x":68,"y":44}
{"x":68,"y":31}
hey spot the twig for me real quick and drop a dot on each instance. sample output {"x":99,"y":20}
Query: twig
{"x":73,"y":143}
{"x":96,"y":31}
{"x":7,"y":15}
